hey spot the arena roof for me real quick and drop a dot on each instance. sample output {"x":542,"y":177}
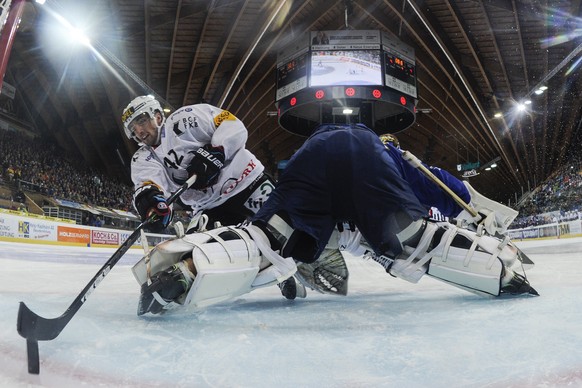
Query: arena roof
{"x":475,"y":59}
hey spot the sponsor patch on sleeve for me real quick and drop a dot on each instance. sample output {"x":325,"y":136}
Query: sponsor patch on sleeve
{"x":223,"y":116}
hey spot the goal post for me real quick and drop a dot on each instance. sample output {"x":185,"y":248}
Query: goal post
{"x":10,"y":15}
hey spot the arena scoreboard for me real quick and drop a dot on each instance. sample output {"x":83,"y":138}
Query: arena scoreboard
{"x":346,"y":76}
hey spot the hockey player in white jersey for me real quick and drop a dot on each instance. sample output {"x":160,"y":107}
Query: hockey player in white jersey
{"x":341,"y":173}
{"x":199,"y":139}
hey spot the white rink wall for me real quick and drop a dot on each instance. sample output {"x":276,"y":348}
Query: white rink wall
{"x":564,"y":229}
{"x":20,"y":228}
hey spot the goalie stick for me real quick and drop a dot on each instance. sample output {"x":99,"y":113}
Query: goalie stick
{"x":36,"y":328}
{"x":416,"y":163}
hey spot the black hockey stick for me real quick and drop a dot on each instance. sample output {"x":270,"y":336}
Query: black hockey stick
{"x":36,"y":328}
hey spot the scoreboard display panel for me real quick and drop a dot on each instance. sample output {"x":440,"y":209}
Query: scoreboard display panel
{"x":346,"y":76}
{"x":292,"y":76}
{"x":400,"y":73}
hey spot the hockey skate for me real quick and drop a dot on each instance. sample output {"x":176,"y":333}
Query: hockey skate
{"x":478,"y":263}
{"x":291,"y":289}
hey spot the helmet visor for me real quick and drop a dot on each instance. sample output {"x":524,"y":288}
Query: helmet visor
{"x":140,"y":120}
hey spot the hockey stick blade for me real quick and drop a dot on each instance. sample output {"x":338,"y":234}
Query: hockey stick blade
{"x":35,"y":328}
{"x":28,"y":324}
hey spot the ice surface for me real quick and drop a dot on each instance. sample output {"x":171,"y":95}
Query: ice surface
{"x":385,"y":333}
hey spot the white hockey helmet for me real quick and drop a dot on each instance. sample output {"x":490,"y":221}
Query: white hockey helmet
{"x":138,"y":106}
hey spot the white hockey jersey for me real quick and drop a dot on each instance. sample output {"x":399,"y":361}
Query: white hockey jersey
{"x":182,"y":133}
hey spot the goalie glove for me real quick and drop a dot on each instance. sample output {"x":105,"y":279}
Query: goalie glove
{"x":492,"y":216}
{"x":206,"y":164}
{"x":149,"y":200}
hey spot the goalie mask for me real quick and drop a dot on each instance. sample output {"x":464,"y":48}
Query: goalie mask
{"x":138,"y":112}
{"x":389,"y":138}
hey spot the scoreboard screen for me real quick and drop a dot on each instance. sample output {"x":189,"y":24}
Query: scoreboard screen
{"x":345,"y":67}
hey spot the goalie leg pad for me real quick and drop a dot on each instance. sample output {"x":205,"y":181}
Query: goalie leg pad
{"x":226,"y":262}
{"x":473,"y":271}
{"x":225,"y":268}
{"x":457,"y":256}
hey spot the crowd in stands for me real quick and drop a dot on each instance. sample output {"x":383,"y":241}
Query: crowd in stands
{"x":55,"y":174}
{"x":52,"y":172}
{"x":558,"y":199}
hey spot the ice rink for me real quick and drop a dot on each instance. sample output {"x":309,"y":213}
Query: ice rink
{"x":385,"y":333}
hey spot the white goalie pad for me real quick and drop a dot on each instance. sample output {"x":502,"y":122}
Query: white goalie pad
{"x":462,"y":258}
{"x":225,"y":269}
{"x":227,"y":261}
{"x":474,"y":270}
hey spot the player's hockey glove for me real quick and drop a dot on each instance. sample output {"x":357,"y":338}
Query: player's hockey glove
{"x":149,"y":200}
{"x":206,"y":164}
